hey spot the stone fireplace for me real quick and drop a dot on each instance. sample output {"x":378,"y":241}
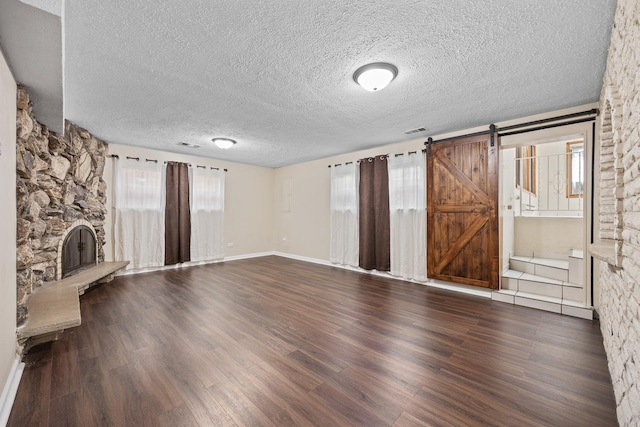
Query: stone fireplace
{"x":59,"y":191}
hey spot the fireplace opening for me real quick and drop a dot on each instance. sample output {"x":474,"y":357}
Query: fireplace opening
{"x":78,"y":251}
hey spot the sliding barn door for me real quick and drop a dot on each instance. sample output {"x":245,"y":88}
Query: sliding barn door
{"x":462,"y":220}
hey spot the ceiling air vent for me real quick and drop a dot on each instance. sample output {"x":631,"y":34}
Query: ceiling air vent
{"x":416,"y":130}
{"x":186,"y":144}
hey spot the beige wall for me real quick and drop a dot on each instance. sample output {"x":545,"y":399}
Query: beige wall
{"x":549,"y":237}
{"x":248,"y":222}
{"x":306,"y":226}
{"x":8,"y":222}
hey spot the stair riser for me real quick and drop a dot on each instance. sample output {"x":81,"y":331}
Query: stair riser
{"x":525,"y":267}
{"x":551,"y":272}
{"x":509,"y":283}
{"x":540,"y":288}
{"x":576,"y":271}
{"x":573,"y":294}
{"x":540,"y":305}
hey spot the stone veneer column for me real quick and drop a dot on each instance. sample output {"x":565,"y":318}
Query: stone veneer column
{"x":59,"y":183}
{"x":619,"y":280}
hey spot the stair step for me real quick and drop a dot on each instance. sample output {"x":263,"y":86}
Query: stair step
{"x":538,"y":297}
{"x":557,"y":269}
{"x":519,"y":275}
{"x":526,"y":284}
{"x":540,"y":279}
{"x":541,"y":302}
{"x":575,"y":253}
{"x":512,"y":274}
{"x":547,"y":262}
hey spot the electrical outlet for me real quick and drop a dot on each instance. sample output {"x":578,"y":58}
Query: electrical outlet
{"x":229,"y":245}
{"x":284,"y":239}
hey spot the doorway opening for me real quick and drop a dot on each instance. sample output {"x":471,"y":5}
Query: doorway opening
{"x":543,"y":232}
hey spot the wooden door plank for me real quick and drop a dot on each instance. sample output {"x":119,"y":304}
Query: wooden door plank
{"x":470,"y":185}
{"x":460,"y":208}
{"x":461,"y":242}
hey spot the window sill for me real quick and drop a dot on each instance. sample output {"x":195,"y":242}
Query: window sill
{"x":605,"y":250}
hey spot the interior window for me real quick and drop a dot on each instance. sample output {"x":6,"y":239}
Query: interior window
{"x":575,"y":169}
{"x":526,"y":168}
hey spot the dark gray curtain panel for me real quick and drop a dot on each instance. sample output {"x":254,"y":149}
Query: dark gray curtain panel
{"x":374,"y":214}
{"x":177,"y":216}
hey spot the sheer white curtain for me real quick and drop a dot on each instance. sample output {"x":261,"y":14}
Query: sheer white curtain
{"x":408,"y":206}
{"x":139,"y":204}
{"x":207,"y":214}
{"x":344,"y":215}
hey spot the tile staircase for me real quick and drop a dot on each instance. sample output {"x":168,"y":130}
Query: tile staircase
{"x":551,"y":284}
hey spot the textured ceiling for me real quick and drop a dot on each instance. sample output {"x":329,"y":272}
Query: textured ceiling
{"x":277,"y":76}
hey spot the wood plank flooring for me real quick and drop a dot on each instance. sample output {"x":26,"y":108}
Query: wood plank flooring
{"x":276,"y":342}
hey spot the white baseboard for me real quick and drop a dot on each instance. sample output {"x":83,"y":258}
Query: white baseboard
{"x":248,"y":256}
{"x":466,"y":289}
{"x":308,"y":259}
{"x":9,"y":391}
{"x":471,"y":290}
{"x":191,"y":264}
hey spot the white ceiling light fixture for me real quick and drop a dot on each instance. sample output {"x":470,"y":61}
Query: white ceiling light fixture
{"x":375,"y":76}
{"x":224,"y":143}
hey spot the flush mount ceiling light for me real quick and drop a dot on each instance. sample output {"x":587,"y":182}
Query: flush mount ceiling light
{"x":223,"y":143}
{"x":376,"y":76}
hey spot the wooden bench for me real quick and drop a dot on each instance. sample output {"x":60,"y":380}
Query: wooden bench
{"x":56,"y":307}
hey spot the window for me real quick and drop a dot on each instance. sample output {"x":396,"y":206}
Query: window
{"x":139,"y":187}
{"x":139,"y":215}
{"x":408,"y":215}
{"x":526,"y":168}
{"x":207,"y":214}
{"x":575,"y":169}
{"x":344,"y":240}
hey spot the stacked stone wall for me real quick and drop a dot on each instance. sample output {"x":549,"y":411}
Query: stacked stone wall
{"x":619,"y":284}
{"x":59,"y":181}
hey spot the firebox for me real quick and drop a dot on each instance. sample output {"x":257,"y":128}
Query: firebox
{"x":78,"y":250}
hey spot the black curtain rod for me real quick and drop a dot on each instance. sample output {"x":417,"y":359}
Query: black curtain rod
{"x":204,"y":167}
{"x":115,"y":156}
{"x":553,"y":125}
{"x":382,"y":155}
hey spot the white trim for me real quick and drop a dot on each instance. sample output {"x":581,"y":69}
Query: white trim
{"x":9,"y":391}
{"x":314,"y":260}
{"x":248,"y":256}
{"x":191,"y":264}
{"x":465,"y":289}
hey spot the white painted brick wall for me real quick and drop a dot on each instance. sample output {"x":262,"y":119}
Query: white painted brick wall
{"x":620,"y":166}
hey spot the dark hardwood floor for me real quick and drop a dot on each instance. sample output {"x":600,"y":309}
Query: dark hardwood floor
{"x":272,"y":341}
